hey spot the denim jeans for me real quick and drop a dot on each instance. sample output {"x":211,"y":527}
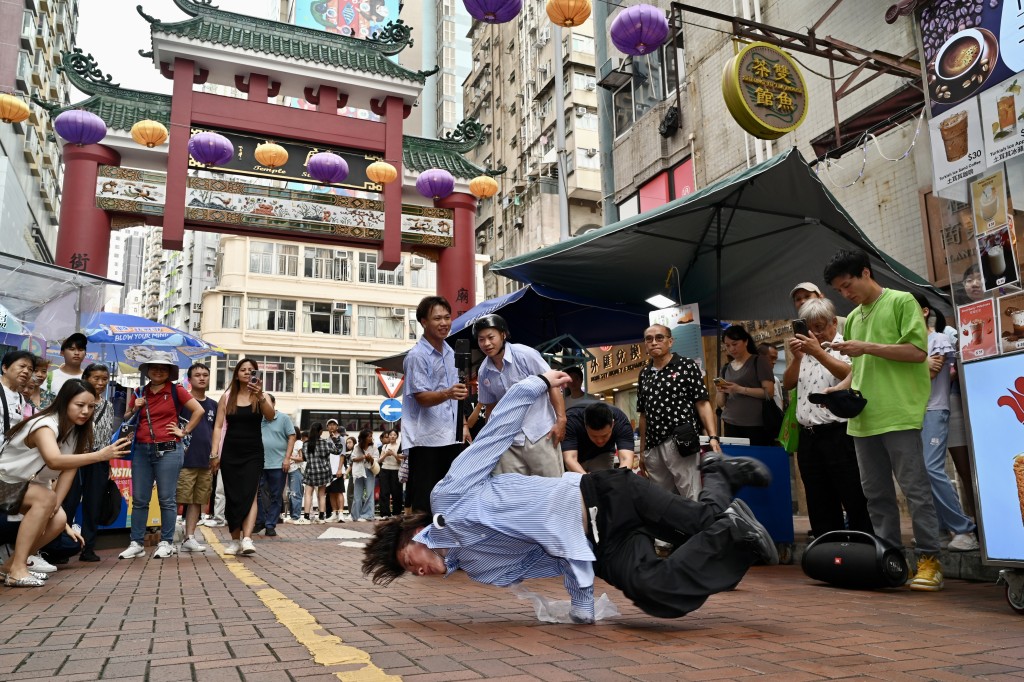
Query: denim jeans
{"x":295,"y":492}
{"x":362,"y":508}
{"x":934,"y":434}
{"x":148,"y":466}
{"x":269,"y":500}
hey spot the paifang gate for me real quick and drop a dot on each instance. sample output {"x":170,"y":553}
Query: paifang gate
{"x":119,"y":181}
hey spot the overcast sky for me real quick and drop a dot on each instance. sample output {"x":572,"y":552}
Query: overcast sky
{"x":113,"y":32}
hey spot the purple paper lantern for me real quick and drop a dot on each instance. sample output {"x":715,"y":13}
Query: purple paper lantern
{"x":210,"y":149}
{"x":435,"y":183}
{"x":639,"y":30}
{"x":493,"y":11}
{"x":327,"y":167}
{"x":80,"y":127}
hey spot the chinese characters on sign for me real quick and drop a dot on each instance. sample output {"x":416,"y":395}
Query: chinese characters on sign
{"x":764,"y":91}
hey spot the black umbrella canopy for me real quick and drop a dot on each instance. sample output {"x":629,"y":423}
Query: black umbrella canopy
{"x":739,"y":246}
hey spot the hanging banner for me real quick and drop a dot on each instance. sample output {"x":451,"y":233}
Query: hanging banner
{"x":957,"y":145}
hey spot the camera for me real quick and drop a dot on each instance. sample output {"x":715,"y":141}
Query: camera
{"x":169,"y":446}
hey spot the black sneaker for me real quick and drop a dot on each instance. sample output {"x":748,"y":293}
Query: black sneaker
{"x":271,"y":532}
{"x":257,"y":528}
{"x":88,"y":555}
{"x":753,"y":533}
{"x":739,"y":471}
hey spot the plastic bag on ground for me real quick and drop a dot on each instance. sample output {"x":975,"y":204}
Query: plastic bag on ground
{"x":557,"y":610}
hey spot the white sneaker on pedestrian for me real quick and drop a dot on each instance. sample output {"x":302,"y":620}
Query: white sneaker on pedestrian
{"x":301,"y":521}
{"x":40,"y":565}
{"x":164,"y":550}
{"x":286,"y":519}
{"x":134,"y":550}
{"x":192,"y":545}
{"x":333,"y":518}
{"x":248,"y":548}
{"x":963,"y":542}
{"x":232,"y":548}
{"x":215,"y":523}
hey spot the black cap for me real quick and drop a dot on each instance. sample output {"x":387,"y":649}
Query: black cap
{"x":76,"y":340}
{"x":846,"y":404}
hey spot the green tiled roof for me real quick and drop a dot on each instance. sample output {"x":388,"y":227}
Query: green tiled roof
{"x":420,"y":154}
{"x":212,"y":25}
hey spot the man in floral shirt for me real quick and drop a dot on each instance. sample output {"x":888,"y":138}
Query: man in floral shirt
{"x":671,"y":391}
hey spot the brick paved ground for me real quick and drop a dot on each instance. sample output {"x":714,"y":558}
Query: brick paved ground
{"x":194,"y":618}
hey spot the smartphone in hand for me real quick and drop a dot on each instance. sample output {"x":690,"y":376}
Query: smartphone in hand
{"x":800,"y":327}
{"x":255,"y":377}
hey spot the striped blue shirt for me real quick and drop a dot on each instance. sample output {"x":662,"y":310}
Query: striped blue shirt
{"x":504,"y":529}
{"x":427,"y":369}
{"x":518,"y":362}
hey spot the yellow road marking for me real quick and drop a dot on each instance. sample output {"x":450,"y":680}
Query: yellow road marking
{"x":326,"y":649}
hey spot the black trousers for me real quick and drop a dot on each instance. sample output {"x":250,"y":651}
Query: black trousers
{"x":828,"y":467}
{"x":87,"y":487}
{"x":427,"y":466}
{"x":390,"y":493}
{"x":631,"y":511}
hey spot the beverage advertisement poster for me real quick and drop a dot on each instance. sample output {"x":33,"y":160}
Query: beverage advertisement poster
{"x":995,"y":405}
{"x":969,"y":46}
{"x":1002,"y":120}
{"x":998,"y":264}
{"x":957,"y":145}
{"x":1010,"y":314}
{"x":977,"y":330}
{"x":988,"y":202}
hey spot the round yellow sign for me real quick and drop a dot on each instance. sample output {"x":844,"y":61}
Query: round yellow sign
{"x":765,"y":91}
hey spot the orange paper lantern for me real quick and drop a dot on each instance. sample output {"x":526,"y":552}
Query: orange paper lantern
{"x":568,"y":13}
{"x":271,"y":155}
{"x":149,"y":133}
{"x":483,"y":187}
{"x":13,"y":109}
{"x":381,"y":172}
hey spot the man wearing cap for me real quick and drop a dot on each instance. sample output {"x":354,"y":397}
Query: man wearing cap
{"x":805,"y":291}
{"x":534,"y":451}
{"x":574,"y":394}
{"x":826,"y":457}
{"x":432,"y":427}
{"x":887,"y":339}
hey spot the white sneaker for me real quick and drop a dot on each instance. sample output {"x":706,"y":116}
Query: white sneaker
{"x":215,"y":523}
{"x":248,"y":548}
{"x":333,"y":518}
{"x":344,"y":518}
{"x":963,"y":542}
{"x":232,"y":548}
{"x":134,"y":550}
{"x":192,"y":545}
{"x":40,"y":565}
{"x":302,"y":521}
{"x":164,"y":550}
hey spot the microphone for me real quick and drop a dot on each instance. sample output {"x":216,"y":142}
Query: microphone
{"x":463,"y":365}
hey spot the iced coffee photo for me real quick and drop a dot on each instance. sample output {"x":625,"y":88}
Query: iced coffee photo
{"x":954,"y":136}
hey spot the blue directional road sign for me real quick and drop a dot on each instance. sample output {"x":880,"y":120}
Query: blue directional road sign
{"x":391,"y":410}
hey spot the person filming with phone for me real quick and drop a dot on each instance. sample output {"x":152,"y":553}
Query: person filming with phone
{"x":746,"y":382}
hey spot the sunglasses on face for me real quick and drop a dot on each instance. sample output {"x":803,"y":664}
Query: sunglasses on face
{"x":657,"y":338}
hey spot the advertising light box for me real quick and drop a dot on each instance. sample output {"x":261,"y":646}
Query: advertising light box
{"x":995,"y":390}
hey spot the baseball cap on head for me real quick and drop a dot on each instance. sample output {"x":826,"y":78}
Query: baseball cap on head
{"x":806,"y":286}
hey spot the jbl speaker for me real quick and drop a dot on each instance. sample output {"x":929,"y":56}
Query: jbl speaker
{"x":855,"y":560}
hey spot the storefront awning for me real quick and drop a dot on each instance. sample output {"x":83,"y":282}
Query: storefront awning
{"x":739,"y":245}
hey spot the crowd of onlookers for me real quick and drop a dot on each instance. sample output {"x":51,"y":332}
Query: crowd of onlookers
{"x":872,"y":397}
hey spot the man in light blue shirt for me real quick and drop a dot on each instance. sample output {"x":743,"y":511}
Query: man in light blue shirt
{"x":278,"y":440}
{"x":577,"y":526}
{"x":432,"y":428}
{"x":535,"y":450}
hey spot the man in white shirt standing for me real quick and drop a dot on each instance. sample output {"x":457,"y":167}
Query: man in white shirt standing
{"x":73,"y":351}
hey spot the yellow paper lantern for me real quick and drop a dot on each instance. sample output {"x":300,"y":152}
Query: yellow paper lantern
{"x":568,"y":13}
{"x":381,"y":172}
{"x":149,"y":133}
{"x":271,"y":155}
{"x":483,"y":187}
{"x":12,"y":109}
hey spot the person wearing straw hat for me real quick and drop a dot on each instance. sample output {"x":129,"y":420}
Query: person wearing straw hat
{"x":157,"y":450}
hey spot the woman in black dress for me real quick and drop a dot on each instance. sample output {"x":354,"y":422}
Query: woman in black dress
{"x":241,"y":412}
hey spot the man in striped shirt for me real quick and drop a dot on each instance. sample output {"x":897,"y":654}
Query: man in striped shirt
{"x":507,"y":528}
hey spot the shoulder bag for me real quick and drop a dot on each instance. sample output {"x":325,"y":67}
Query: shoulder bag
{"x":12,"y":495}
{"x":771,"y":415}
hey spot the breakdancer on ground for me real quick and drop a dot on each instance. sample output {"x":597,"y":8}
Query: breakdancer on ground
{"x":507,"y":528}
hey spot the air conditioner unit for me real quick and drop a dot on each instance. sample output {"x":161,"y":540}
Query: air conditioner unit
{"x":418,"y":262}
{"x":341,"y":255}
{"x":591,"y":86}
{"x":398,"y":312}
{"x":581,"y":112}
{"x":591,"y":151}
{"x":289,"y":366}
{"x":340,"y":307}
{"x":543,"y":68}
{"x":197,"y":307}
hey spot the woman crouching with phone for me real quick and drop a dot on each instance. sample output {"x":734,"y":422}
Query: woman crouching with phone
{"x":45,"y":452}
{"x":243,"y":407}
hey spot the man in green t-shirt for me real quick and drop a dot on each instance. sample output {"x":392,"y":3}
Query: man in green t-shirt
{"x":887,"y":339}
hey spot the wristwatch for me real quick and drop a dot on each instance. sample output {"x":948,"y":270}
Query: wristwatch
{"x":715,"y":438}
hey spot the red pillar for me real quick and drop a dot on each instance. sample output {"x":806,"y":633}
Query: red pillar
{"x":83,"y":241}
{"x":390,"y":254}
{"x":177,"y":155}
{"x":456,"y":268}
